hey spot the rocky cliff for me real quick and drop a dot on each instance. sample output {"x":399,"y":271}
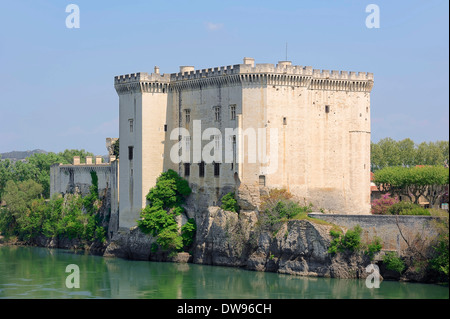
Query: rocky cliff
{"x":240,"y":240}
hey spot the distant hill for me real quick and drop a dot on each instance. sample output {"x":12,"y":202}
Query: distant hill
{"x":19,"y":155}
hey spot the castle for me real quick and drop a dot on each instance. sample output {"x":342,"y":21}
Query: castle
{"x":245,"y":128}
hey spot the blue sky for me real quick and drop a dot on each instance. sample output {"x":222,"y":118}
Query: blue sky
{"x":56,"y":84}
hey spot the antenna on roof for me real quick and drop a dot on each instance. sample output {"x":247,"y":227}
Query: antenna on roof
{"x":286,"y":52}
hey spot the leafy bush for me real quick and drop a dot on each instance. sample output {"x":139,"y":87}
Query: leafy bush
{"x":229,"y":203}
{"x":407,"y":208}
{"x":440,"y":262}
{"x":373,"y":247}
{"x":381,"y":205}
{"x":334,"y":247}
{"x":393,"y":262}
{"x":416,"y":211}
{"x":170,"y":190}
{"x":164,"y":203}
{"x":188,"y":232}
{"x":155,"y":219}
{"x":351,"y":241}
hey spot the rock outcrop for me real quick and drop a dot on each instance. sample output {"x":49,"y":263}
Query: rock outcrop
{"x":134,"y":244}
{"x":297,"y":247}
{"x":226,"y":238}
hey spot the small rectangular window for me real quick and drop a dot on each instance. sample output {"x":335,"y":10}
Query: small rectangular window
{"x":262,"y":180}
{"x":216,"y":169}
{"x":284,"y":121}
{"x":187,"y":115}
{"x":130,"y":121}
{"x":217,"y":143}
{"x":232,"y":112}
{"x":201,"y":169}
{"x":187,"y":169}
{"x":187,"y":140}
{"x":327,"y":109}
{"x":130,"y":152}
{"x":165,"y":127}
{"x":217,"y":113}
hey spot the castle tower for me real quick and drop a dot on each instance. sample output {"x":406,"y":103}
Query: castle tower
{"x":314,"y":126}
{"x":142,"y":112}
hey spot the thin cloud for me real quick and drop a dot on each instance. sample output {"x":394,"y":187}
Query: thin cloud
{"x":214,"y":26}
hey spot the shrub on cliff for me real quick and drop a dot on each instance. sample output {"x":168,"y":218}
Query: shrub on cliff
{"x":188,"y":232}
{"x":164,"y":204}
{"x":351,"y":242}
{"x":440,"y":260}
{"x":278,"y":206}
{"x":393,"y":262}
{"x":170,"y":190}
{"x":229,"y":203}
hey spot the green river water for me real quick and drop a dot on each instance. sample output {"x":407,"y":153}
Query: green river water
{"x":33,"y":272}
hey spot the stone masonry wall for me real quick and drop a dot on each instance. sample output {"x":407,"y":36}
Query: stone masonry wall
{"x":394,"y":231}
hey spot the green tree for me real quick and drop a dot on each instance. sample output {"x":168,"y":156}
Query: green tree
{"x":444,"y":147}
{"x":429,"y":154}
{"x":407,"y":152}
{"x":19,"y":199}
{"x":391,"y":152}
{"x":5,"y":175}
{"x":35,"y":167}
{"x":377,"y":160}
{"x":41,"y":167}
{"x":413,"y":182}
{"x":22,"y":171}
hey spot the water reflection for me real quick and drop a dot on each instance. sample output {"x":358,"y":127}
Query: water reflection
{"x":29,"y":272}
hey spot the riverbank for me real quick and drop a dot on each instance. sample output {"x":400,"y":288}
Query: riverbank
{"x":223,"y":238}
{"x":39,"y":273}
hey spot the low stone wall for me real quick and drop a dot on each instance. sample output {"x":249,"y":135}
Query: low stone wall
{"x":395,"y":231}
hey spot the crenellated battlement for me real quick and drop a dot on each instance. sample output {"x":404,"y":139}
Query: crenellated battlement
{"x":283,"y":73}
{"x":141,"y":76}
{"x":142,"y":82}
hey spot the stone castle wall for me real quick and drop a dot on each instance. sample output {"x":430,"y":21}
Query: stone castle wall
{"x":321,"y":153}
{"x":394,"y":231}
{"x":76,"y":177}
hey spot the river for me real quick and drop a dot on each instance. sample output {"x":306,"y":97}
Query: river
{"x":35,"y":272}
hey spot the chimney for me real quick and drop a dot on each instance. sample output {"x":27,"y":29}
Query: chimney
{"x":89,"y":160}
{"x":98,"y":159}
{"x":186,"y":68}
{"x":250,"y":61}
{"x":284,"y":63}
{"x":156,"y":69}
{"x":76,"y":160}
